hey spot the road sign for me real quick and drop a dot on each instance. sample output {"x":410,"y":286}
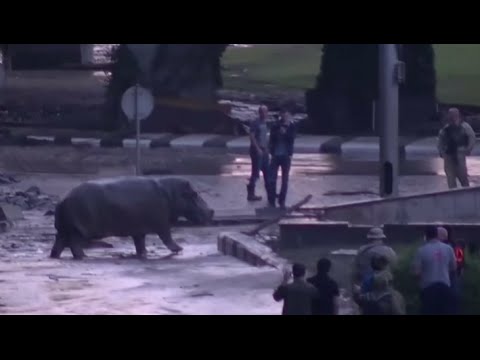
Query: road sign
{"x":137,"y":103}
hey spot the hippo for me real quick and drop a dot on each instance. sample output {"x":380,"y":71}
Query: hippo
{"x":126,"y":207}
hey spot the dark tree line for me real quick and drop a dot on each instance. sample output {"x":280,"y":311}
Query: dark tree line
{"x":177,"y":70}
{"x":347,"y":86}
{"x":341,"y":101}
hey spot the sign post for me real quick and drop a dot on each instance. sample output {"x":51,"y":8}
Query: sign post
{"x":391,"y":77}
{"x":137,"y":104}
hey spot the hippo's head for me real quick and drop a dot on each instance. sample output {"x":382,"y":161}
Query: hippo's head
{"x":192,"y":206}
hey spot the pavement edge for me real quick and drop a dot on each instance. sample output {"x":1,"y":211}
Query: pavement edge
{"x":245,"y":248}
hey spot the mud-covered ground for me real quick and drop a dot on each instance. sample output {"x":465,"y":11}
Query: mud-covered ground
{"x":111,"y":281}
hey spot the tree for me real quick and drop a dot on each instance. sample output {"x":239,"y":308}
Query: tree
{"x":347,"y":86}
{"x":178,"y":70}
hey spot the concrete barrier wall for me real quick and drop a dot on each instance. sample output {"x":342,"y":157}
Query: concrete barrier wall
{"x":248,"y":249}
{"x":452,"y":205}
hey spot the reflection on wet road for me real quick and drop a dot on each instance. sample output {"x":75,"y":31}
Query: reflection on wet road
{"x":206,"y":161}
{"x":332,"y":164}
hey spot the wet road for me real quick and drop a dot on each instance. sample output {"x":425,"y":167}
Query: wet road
{"x":239,"y":165}
{"x":207,"y":161}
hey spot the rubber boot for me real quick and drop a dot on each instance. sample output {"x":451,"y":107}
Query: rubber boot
{"x":251,"y":194}
{"x":271,"y":198}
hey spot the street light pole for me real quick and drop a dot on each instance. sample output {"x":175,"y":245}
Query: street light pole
{"x":388,"y":113}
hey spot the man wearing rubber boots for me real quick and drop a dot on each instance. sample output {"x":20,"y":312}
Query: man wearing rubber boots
{"x":455,"y":142}
{"x":258,"y":152}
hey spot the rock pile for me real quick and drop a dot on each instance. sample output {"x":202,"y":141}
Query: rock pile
{"x":32,"y":198}
{"x":7,"y":180}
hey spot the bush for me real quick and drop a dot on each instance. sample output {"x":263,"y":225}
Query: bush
{"x":408,"y":285}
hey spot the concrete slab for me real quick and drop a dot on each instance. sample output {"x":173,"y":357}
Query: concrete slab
{"x":332,"y":146}
{"x":41,"y":138}
{"x":361,"y":148}
{"x":366,"y":148}
{"x":241,"y":144}
{"x":12,"y":212}
{"x":86,"y":141}
{"x":219,"y":142}
{"x":249,"y":250}
{"x":194,"y":140}
{"x":309,"y":144}
{"x":449,"y":205}
{"x":421,"y":149}
{"x":155,"y":136}
{"x":132,"y":143}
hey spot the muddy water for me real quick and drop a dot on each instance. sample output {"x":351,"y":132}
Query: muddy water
{"x":112,"y":281}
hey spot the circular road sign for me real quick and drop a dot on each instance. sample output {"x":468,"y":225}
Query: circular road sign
{"x":145,"y":103}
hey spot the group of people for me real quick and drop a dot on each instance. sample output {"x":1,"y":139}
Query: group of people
{"x":437,"y":266}
{"x":268,"y":153}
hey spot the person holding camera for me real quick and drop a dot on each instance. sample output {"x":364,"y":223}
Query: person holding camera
{"x":281,"y":145}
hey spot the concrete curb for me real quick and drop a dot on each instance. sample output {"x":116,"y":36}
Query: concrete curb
{"x":356,"y":148}
{"x":249,"y":250}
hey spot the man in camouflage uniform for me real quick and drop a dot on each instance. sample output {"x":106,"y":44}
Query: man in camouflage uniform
{"x":376,"y":247}
{"x":382,"y":298}
{"x":455,"y":142}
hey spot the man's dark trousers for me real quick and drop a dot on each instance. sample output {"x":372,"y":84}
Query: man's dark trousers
{"x":283,"y":162}
{"x":437,"y":299}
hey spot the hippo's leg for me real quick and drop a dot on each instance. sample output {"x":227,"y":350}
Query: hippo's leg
{"x":76,"y":247}
{"x":166,"y":237}
{"x":58,"y":247}
{"x":140,"y":246}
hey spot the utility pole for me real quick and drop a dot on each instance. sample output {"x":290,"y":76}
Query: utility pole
{"x":391,"y":76}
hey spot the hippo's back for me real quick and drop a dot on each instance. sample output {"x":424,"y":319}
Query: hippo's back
{"x":113,"y":207}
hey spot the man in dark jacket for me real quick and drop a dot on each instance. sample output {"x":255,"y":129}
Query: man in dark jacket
{"x":328,"y":293}
{"x":281,"y":144}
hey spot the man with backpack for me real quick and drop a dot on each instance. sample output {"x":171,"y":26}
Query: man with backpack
{"x":377,"y":296}
{"x":376,"y":246}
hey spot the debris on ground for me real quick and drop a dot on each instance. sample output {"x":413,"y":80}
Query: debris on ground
{"x":201,"y":294}
{"x":32,"y":198}
{"x":7,"y":179}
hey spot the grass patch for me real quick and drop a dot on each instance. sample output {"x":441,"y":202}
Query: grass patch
{"x":408,"y":285}
{"x":294,"y":67}
{"x":272,"y":67}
